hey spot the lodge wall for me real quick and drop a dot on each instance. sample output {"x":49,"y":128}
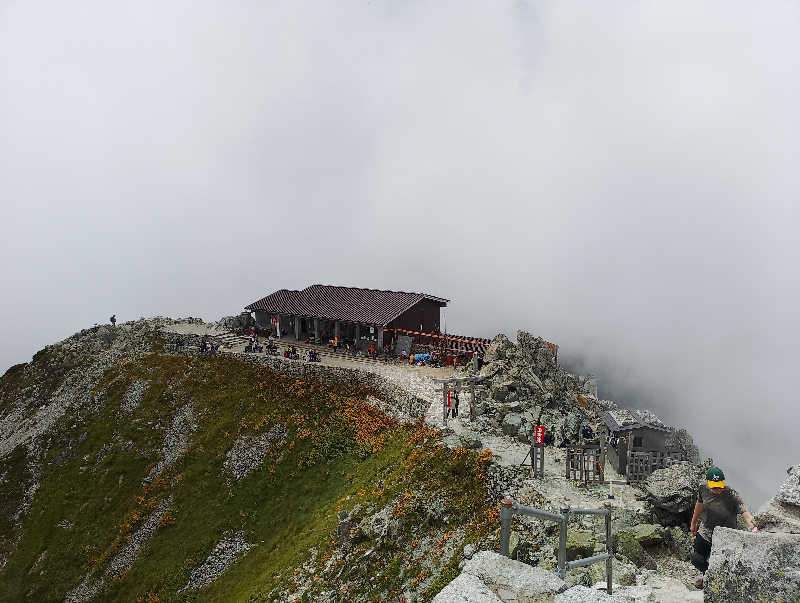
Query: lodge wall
{"x":426,"y":313}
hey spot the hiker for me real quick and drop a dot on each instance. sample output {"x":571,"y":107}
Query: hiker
{"x":372,"y":350}
{"x":455,"y":404}
{"x":113,"y":320}
{"x":717,"y":505}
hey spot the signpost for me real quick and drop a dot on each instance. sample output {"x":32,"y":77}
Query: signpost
{"x":537,"y":451}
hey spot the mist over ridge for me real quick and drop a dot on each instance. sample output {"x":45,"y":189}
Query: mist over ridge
{"x":617,"y":179}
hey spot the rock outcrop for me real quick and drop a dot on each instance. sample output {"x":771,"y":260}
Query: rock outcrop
{"x":747,"y":566}
{"x":527,"y":387}
{"x":672,"y":492}
{"x":782,"y":513}
{"x":492,"y":578}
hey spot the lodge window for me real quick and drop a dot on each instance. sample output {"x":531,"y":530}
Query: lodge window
{"x":637,"y":442}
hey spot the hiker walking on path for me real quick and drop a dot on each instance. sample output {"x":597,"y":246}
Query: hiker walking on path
{"x":113,"y":320}
{"x":717,"y":505}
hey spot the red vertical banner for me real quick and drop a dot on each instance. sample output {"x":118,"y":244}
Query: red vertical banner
{"x":538,"y":434}
{"x":448,"y":398}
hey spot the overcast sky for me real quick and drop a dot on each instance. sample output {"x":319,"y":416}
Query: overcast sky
{"x":620,"y":178}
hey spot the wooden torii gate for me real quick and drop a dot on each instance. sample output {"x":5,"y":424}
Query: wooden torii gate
{"x":459,"y":384}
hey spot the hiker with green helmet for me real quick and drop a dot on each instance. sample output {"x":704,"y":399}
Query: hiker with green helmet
{"x":717,"y":505}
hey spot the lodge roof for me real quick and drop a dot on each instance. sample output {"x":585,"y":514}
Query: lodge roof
{"x":349,"y":304}
{"x":622,"y":419}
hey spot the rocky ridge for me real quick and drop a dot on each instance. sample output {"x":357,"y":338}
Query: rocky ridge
{"x":524,"y":387}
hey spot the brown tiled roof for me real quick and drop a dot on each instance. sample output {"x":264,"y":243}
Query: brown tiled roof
{"x":370,"y":306}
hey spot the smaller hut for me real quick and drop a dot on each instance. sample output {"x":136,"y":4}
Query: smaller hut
{"x":638,"y":443}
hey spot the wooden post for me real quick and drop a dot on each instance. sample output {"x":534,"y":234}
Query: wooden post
{"x":603,"y":451}
{"x":568,"y":460}
{"x":471,"y":400}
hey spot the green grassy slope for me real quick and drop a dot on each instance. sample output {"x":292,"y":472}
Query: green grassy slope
{"x":339,"y":451}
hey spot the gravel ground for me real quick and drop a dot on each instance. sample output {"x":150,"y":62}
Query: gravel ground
{"x":134,"y":395}
{"x":193,"y":328}
{"x":248,"y":452}
{"x":176,"y":439}
{"x":124,"y":559}
{"x":225,"y":553}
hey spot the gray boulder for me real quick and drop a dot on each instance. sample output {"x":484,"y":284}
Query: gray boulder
{"x":512,"y":423}
{"x":500,"y":391}
{"x":499,"y":349}
{"x":583,"y":594}
{"x":470,"y":439}
{"x":746,"y":566}
{"x":789,"y":493}
{"x":535,"y":352}
{"x":563,"y":422}
{"x":673,"y":491}
{"x":775,"y":516}
{"x":345,"y":532}
{"x":382,"y":527}
{"x":466,"y":588}
{"x":648,"y":534}
{"x":490,"y":578}
{"x":782,"y":513}
{"x":580,"y":544}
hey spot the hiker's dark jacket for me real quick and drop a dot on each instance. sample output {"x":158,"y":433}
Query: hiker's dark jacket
{"x":718,"y":509}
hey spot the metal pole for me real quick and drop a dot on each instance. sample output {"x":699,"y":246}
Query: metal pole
{"x":562,"y":543}
{"x":608,"y":548}
{"x":541,"y":461}
{"x":506,"y":511}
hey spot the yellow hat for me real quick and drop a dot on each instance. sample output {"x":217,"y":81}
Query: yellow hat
{"x":715,"y":478}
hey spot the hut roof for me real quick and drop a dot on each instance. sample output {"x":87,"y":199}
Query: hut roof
{"x":349,"y":304}
{"x":623,"y":419}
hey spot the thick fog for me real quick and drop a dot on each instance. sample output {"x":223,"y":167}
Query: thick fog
{"x":619,"y":178}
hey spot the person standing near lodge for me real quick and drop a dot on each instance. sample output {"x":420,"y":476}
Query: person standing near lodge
{"x":717,"y":505}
